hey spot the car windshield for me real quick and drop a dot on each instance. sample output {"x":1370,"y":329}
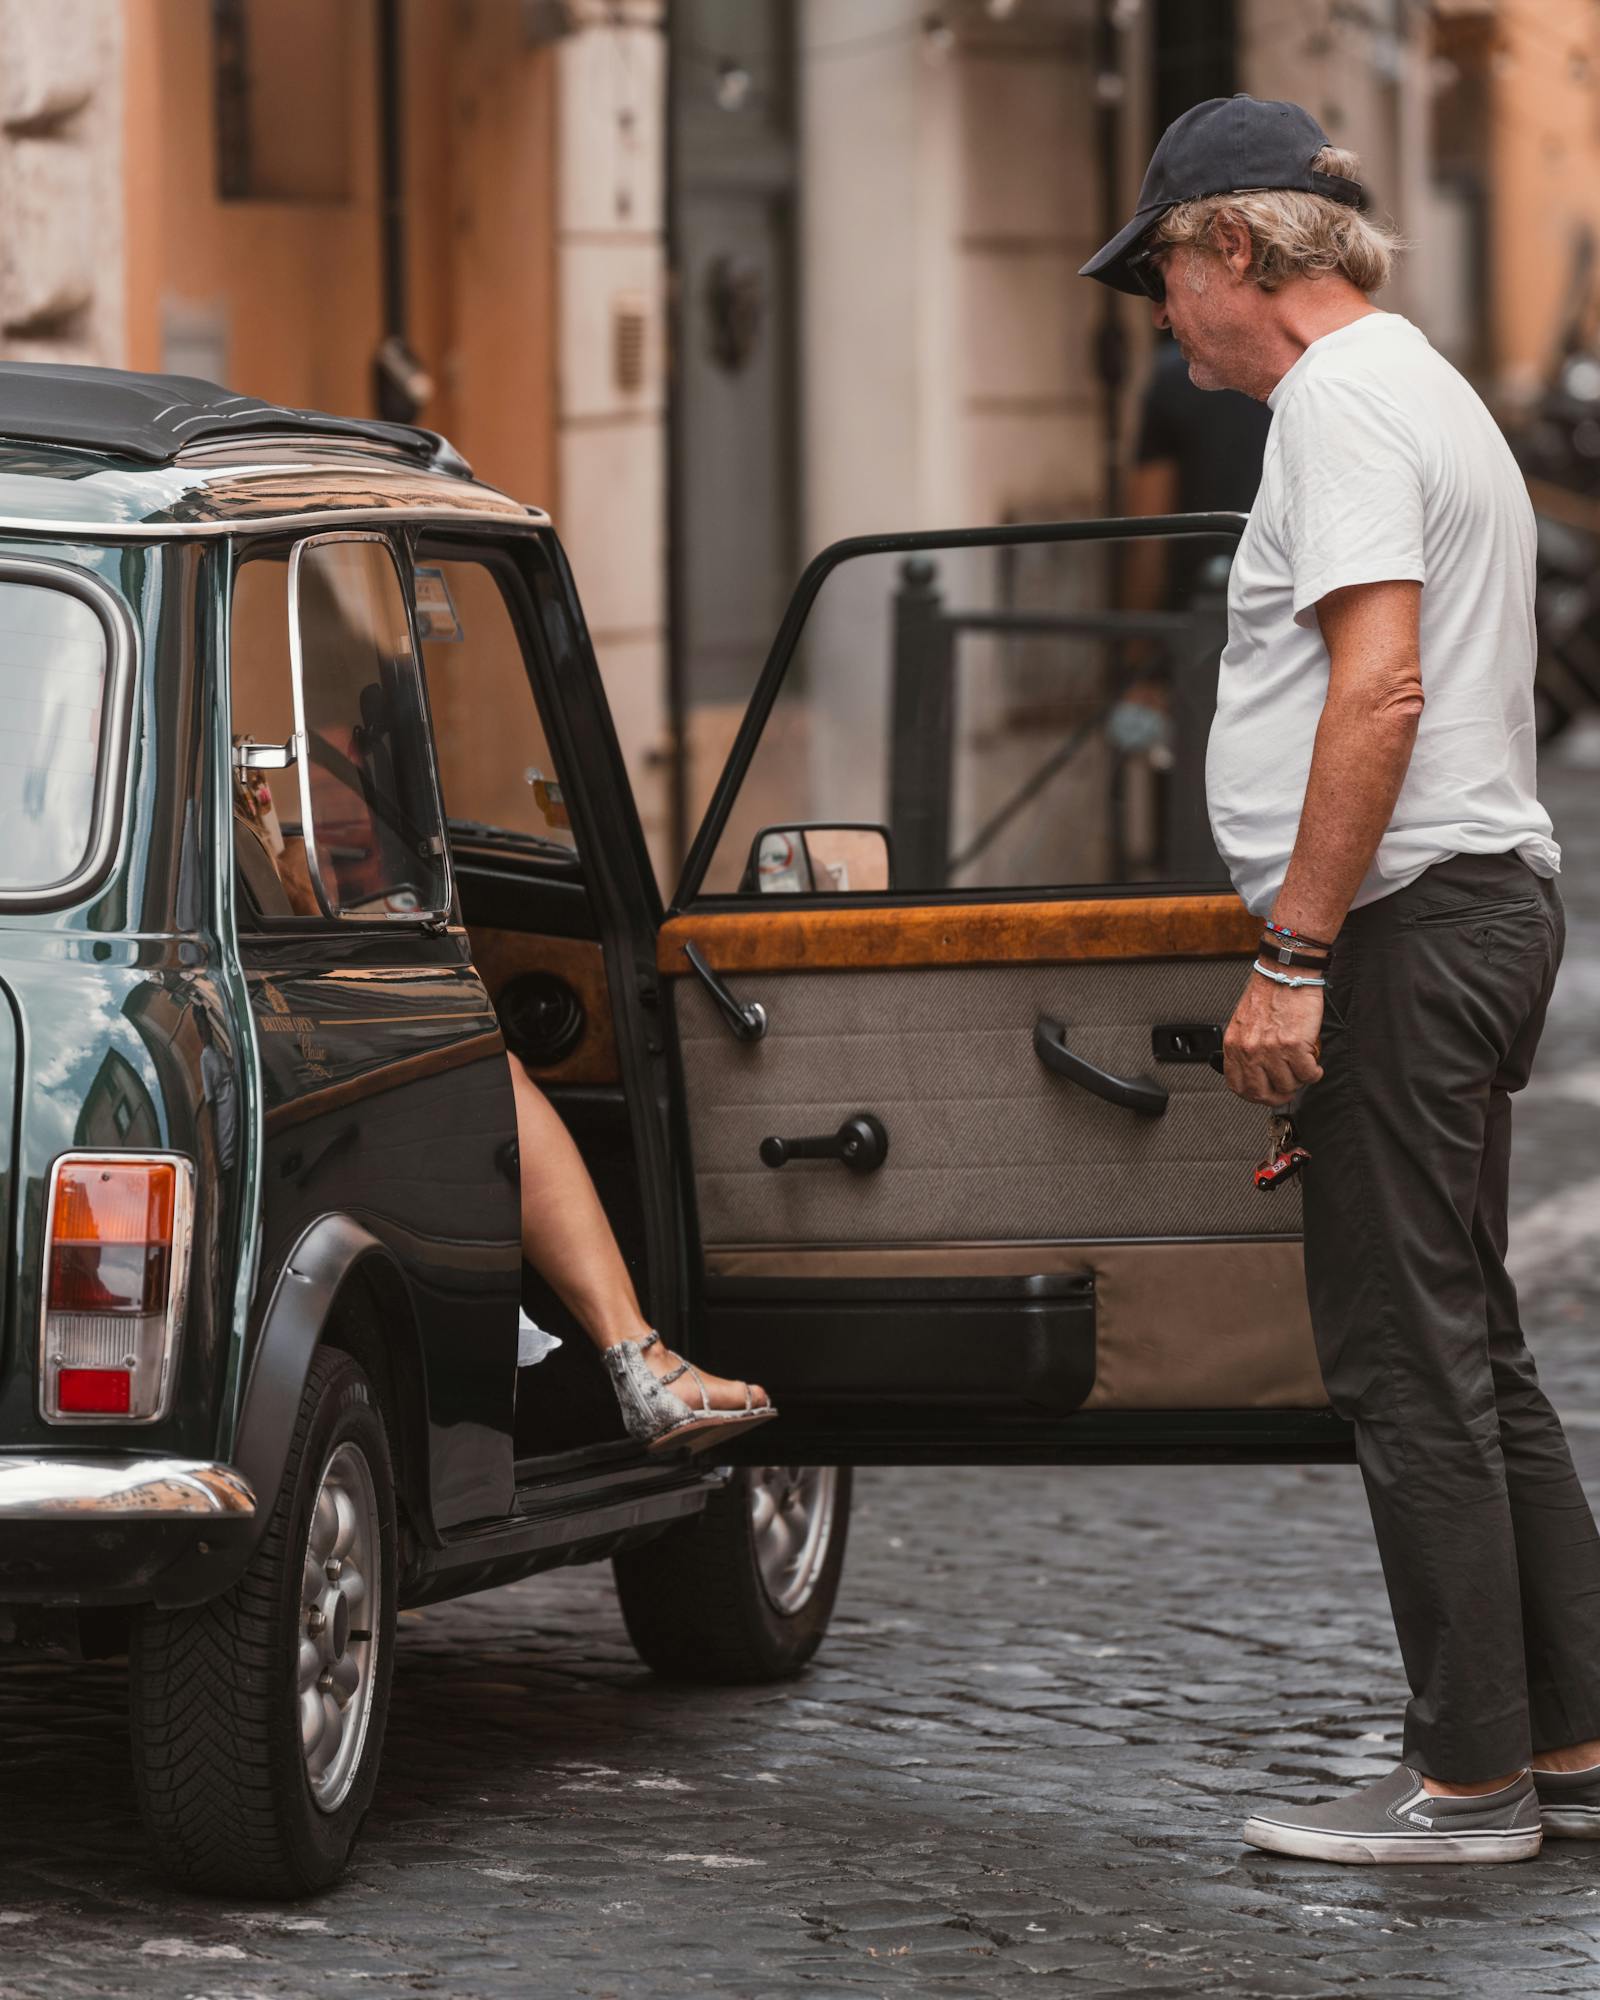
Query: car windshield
{"x":53,"y":664}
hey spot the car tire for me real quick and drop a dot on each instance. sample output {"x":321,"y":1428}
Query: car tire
{"x":238,"y":1790}
{"x":744,"y":1590}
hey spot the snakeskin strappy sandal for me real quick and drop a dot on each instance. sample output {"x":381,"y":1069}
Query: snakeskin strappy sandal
{"x":661,"y":1421}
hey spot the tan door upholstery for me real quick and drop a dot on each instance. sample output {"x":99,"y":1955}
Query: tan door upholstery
{"x":1178,"y":1326}
{"x":997,"y":1166}
{"x":985,"y":1144}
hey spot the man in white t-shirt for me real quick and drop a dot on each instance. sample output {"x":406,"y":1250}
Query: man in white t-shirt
{"x":1370,"y":779}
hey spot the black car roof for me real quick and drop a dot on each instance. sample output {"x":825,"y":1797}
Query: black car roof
{"x":154,"y":417}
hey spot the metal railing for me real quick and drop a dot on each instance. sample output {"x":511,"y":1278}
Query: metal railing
{"x":1181,"y":649}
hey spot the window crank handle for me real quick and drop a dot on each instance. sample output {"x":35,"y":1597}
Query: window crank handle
{"x":861,"y":1144}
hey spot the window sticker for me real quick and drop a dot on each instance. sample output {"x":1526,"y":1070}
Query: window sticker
{"x":547,"y":796}
{"x":435,"y":608}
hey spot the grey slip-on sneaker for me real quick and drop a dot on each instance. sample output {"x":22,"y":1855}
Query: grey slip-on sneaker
{"x":1569,"y":1802}
{"x":1398,"y":1819}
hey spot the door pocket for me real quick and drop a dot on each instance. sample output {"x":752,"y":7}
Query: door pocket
{"x":1177,"y":1326}
{"x":1002,"y":1347}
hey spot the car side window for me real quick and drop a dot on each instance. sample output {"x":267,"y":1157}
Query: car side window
{"x":351,"y":826}
{"x":989,"y":716}
{"x":496,"y":768}
{"x":268,"y":847}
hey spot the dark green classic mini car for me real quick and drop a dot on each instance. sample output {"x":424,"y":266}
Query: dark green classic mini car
{"x":310,"y":809}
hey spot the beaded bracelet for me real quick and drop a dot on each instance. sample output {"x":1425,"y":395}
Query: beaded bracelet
{"x":1286,"y":978}
{"x":1291,"y":936}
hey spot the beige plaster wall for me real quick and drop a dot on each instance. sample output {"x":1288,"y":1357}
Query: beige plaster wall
{"x":1025,"y":216}
{"x":1545,"y":137}
{"x":610,"y":209}
{"x":948,"y":343}
{"x":1369,"y":87}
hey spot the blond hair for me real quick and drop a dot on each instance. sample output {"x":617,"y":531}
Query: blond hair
{"x":1294,"y":235}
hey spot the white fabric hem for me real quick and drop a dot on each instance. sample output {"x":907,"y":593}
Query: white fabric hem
{"x":1396,"y":570}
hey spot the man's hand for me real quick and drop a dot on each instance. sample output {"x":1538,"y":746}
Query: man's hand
{"x":1271,"y":1046}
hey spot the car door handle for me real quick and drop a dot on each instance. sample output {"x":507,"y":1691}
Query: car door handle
{"x":1187,"y":1042}
{"x":747,"y":1019}
{"x":1140,"y":1093}
{"x":861,"y":1143}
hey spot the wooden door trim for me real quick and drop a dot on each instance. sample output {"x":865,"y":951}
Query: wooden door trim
{"x":502,"y":956}
{"x":1105,"y":927}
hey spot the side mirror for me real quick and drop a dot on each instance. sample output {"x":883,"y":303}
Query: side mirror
{"x":819,"y":861}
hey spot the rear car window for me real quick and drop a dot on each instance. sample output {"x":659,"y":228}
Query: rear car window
{"x":53,"y":667}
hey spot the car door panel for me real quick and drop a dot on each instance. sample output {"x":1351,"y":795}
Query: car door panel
{"x":369,"y":1048}
{"x":934,"y":1034}
{"x":998,"y":1170}
{"x":383,"y":1080}
{"x":985,"y":1144}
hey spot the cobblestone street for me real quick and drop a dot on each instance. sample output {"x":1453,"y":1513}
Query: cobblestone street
{"x":1047,"y":1701}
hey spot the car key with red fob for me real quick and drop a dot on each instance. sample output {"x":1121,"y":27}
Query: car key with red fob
{"x":1284,"y":1158}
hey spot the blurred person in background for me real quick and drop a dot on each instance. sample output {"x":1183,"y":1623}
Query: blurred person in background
{"x":1194,"y":453}
{"x":1370,"y":780}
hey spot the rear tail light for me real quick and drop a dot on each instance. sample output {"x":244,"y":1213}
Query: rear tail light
{"x":116,"y":1273}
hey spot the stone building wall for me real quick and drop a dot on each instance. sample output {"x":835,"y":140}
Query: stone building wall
{"x":61,"y":267}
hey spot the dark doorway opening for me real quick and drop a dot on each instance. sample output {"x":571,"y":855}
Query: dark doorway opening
{"x":1194,"y":48}
{"x":733,"y":455}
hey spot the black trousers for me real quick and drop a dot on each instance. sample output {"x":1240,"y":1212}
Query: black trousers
{"x":1435,"y":1003}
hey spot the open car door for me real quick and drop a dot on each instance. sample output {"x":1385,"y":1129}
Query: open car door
{"x":950,"y":956}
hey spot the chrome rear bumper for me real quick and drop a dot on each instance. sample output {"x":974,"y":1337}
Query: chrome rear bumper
{"x":119,"y":1488}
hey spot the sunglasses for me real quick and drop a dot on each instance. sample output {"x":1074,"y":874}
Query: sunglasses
{"x":1148,"y":275}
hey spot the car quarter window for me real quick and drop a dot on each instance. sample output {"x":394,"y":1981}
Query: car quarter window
{"x":54,"y":661}
{"x":352,"y":827}
{"x":1015,"y":715}
{"x":496,"y":768}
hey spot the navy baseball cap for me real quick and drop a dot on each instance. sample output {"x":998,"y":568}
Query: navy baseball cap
{"x":1224,"y":146}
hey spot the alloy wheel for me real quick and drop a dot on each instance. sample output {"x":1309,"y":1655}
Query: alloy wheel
{"x":791,"y":1511}
{"x":338,"y":1652}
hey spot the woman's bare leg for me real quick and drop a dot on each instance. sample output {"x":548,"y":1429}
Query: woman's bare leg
{"x":567,"y":1239}
{"x":565,"y":1234}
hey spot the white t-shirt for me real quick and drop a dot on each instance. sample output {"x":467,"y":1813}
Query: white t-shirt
{"x":1381,"y":464}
